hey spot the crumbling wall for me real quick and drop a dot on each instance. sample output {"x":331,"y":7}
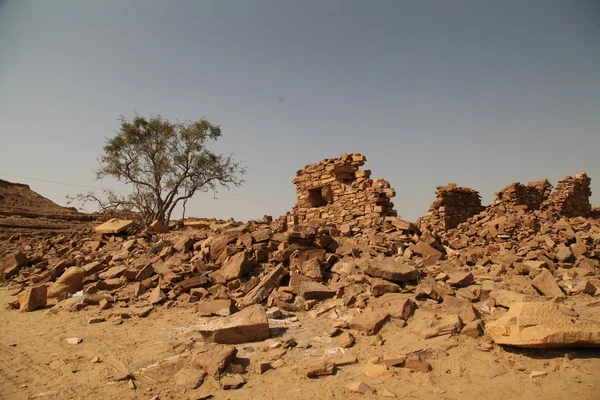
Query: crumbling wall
{"x":571,"y":197}
{"x":532,"y":196}
{"x":335,"y":191}
{"x":452,"y":206}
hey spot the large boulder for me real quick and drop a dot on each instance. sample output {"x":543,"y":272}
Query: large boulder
{"x":542,"y":324}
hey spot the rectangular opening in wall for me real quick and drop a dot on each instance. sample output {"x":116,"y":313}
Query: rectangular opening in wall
{"x":315,"y":198}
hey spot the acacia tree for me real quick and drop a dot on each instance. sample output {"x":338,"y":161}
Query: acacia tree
{"x":165,"y":163}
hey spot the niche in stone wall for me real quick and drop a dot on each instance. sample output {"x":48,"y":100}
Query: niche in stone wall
{"x":320,"y":197}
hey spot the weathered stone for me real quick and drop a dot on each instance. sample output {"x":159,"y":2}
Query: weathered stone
{"x":114,"y":226}
{"x":377,"y":371}
{"x":235,"y":267}
{"x":542,"y":325}
{"x":249,"y":325}
{"x":506,"y":298}
{"x":358,"y":387}
{"x":315,"y":290}
{"x":473,"y":328}
{"x":221,"y":307}
{"x":398,"y":305}
{"x":265,"y":287}
{"x":13,"y":263}
{"x":345,"y":340}
{"x":312,"y":269}
{"x":159,"y":227}
{"x":212,"y":358}
{"x":157,"y":295}
{"x":563,"y":254}
{"x":189,"y":378}
{"x":434,"y":325}
{"x":232,"y":382}
{"x":391,"y":270}
{"x":33,"y":298}
{"x":315,"y":368}
{"x":381,"y":286}
{"x":70,"y":281}
{"x":415,"y":363}
{"x":545,"y":284}
{"x":459,"y":279}
{"x":370,"y":321}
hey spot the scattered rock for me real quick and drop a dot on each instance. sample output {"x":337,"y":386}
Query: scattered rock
{"x":377,"y":371}
{"x":546,"y":284}
{"x":370,"y":321}
{"x":33,"y":298}
{"x":74,"y":340}
{"x":316,"y":367}
{"x":212,"y":357}
{"x":249,"y":325}
{"x":358,"y":387}
{"x":232,"y":382}
{"x":391,"y":270}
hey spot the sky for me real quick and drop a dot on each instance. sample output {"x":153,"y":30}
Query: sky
{"x":478,"y":92}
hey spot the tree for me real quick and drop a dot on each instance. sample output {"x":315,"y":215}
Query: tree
{"x":165,"y":163}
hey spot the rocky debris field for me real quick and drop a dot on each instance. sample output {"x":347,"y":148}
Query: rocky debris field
{"x":500,"y":301}
{"x":236,"y":303}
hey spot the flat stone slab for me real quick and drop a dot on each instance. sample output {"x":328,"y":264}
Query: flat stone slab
{"x":391,"y":270}
{"x":542,"y":325}
{"x":249,"y":325}
{"x":370,"y":321}
{"x":114,"y":225}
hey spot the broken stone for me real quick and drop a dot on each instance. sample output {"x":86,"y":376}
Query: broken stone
{"x":221,"y":307}
{"x":212,"y":357}
{"x":316,"y":367}
{"x":33,"y":298}
{"x":380,"y":287}
{"x":415,"y":363}
{"x":232,"y":382}
{"x":96,"y":320}
{"x":249,"y":325}
{"x":546,"y":284}
{"x":113,"y":226}
{"x":459,"y":279}
{"x":473,"y":328}
{"x":70,"y":281}
{"x":398,"y":305}
{"x":358,"y":387}
{"x":156,"y":296}
{"x":314,"y":290}
{"x":158,"y":226}
{"x":539,"y":325}
{"x":347,"y":359}
{"x":265,"y":287}
{"x":74,"y":340}
{"x":436,"y":326}
{"x":391,"y":270}
{"x":345,"y":340}
{"x":370,"y":321}
{"x":189,"y":378}
{"x":377,"y":371}
{"x":235,"y":267}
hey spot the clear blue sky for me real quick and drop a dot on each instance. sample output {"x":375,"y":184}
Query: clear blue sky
{"x":482,"y":93}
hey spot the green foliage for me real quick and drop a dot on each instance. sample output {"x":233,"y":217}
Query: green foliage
{"x":165,"y":163}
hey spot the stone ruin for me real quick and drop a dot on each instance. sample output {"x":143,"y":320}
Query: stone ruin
{"x":571,"y":197}
{"x":530,"y":196}
{"x":336,"y":192}
{"x":452,"y":206}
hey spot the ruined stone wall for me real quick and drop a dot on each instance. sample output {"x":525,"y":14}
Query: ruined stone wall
{"x":571,"y":197}
{"x":532,"y":196}
{"x":335,"y":191}
{"x":452,"y":206}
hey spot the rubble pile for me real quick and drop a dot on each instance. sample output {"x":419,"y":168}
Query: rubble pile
{"x":336,"y":191}
{"x":452,"y":206}
{"x":523,"y":272}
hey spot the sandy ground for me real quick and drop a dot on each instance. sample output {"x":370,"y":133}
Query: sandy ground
{"x":36,"y":362}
